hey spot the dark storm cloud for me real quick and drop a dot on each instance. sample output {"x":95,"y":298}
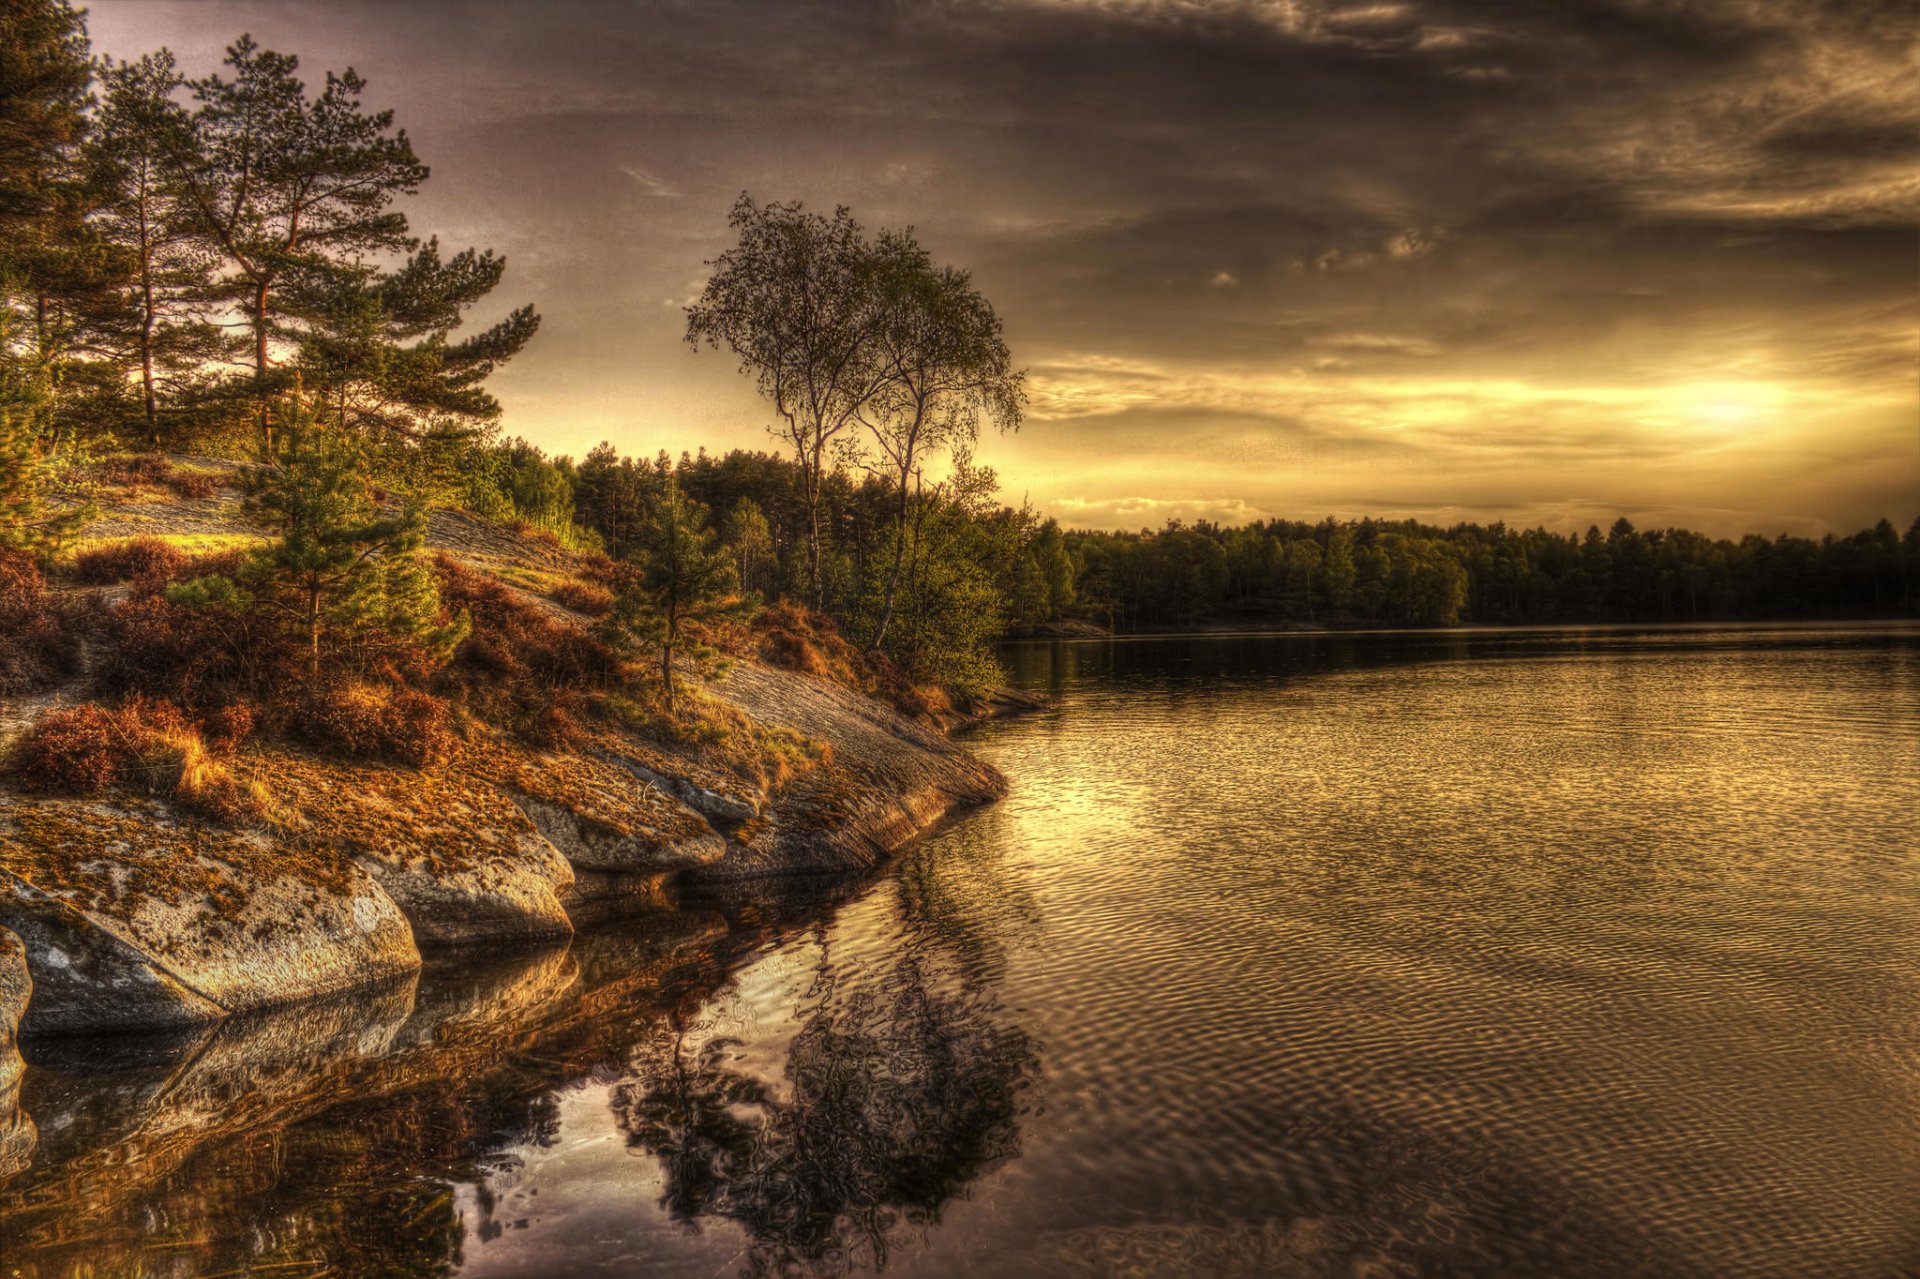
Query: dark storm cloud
{"x":1656,"y":254}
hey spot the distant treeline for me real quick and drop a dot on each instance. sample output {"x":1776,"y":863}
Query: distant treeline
{"x":1403,"y":573}
{"x":981,"y":568}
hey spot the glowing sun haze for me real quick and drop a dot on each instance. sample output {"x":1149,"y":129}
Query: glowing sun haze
{"x":1547,"y":262}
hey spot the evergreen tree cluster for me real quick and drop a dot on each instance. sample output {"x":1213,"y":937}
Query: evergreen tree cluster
{"x":1403,"y":573}
{"x":175,"y":253}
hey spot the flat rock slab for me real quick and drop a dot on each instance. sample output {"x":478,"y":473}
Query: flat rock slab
{"x":132,"y":918}
{"x":889,"y":779}
{"x":461,"y":859}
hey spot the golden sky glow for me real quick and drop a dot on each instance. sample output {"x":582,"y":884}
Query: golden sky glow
{"x":1542,"y":262}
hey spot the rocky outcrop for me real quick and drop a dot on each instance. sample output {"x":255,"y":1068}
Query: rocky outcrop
{"x":512,"y":896}
{"x":17,"y":1134}
{"x":888,"y":780}
{"x":159,"y":924}
{"x":133,"y":916}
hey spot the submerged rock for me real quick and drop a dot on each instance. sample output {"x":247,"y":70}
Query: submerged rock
{"x":131,"y":918}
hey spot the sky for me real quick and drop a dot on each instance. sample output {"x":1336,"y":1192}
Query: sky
{"x":1546,"y":261}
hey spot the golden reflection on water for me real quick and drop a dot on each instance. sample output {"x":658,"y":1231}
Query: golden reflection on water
{"x":1501,"y":954}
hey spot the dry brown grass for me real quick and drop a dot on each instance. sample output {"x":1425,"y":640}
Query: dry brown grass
{"x":150,"y":747}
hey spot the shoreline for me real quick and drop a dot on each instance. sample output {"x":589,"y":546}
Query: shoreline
{"x":601,"y":837}
{"x":1465,"y":628}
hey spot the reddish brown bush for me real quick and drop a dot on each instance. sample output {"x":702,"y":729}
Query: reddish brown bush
{"x":367,"y":721}
{"x":68,"y":752}
{"x":184,"y":655}
{"x":602,"y":570}
{"x":142,"y":559}
{"x":520,"y":667}
{"x":142,"y":744}
{"x":192,"y":485}
{"x":40,"y":633}
{"x":225,"y":727}
{"x":795,"y":638}
{"x":584,"y":597}
{"x":151,"y":470}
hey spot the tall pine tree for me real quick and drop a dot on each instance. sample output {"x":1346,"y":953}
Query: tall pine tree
{"x":292,"y":188}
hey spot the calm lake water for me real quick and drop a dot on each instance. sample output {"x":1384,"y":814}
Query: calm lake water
{"x":1552,"y":953}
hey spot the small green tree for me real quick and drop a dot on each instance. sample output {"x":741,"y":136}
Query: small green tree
{"x":685,"y":579}
{"x":748,"y":535}
{"x":27,"y":523}
{"x":337,"y":564}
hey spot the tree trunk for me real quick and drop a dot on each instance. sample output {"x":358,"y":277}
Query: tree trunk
{"x":811,"y":487}
{"x":313,"y":629}
{"x":260,"y":360}
{"x":149,"y":401}
{"x":666,"y":668}
{"x":893,"y":577}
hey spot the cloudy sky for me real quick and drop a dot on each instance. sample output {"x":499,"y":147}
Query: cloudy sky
{"x":1542,"y":260}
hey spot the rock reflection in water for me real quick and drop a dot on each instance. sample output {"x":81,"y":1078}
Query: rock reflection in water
{"x":324,"y":1133}
{"x":375,"y":1133}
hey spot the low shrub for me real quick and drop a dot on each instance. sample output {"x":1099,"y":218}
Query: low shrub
{"x":196,"y":657}
{"x":142,"y":559}
{"x":370,"y":721}
{"x":520,"y":667}
{"x":153,"y":471}
{"x":41,"y":633}
{"x":795,"y":638}
{"x":145,"y":745}
{"x":584,"y":597}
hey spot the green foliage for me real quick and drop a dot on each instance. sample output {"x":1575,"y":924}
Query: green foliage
{"x":748,"y":536}
{"x":340,"y":568}
{"x":952,"y":598}
{"x":685,"y":581}
{"x":794,"y":300}
{"x":27,"y":521}
{"x":54,"y":274}
{"x":144,"y":140}
{"x":379,"y":349}
{"x":291,"y":189}
{"x":1402,"y":573}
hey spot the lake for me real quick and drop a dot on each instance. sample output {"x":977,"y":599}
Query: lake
{"x":1554,"y":953}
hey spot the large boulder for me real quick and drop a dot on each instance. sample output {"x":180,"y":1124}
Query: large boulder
{"x":134,"y":918}
{"x":460,"y":858}
{"x":17,"y":1135}
{"x":888,"y":779}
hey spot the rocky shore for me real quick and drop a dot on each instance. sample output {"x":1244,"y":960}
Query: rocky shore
{"x":128,"y":915}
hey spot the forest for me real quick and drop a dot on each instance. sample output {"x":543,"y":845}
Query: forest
{"x":219,"y":267}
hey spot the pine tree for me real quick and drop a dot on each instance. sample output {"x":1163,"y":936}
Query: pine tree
{"x":337,"y":564}
{"x":56,"y":276}
{"x":27,"y":523}
{"x":291,"y":188}
{"x":378,"y":346}
{"x":144,"y":143}
{"x":684,"y":580}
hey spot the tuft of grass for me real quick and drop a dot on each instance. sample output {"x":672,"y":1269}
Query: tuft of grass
{"x":135,"y":559}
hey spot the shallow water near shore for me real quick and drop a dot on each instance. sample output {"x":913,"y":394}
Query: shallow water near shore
{"x":1555,"y":953}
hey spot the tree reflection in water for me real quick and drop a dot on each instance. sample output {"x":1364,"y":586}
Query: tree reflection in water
{"x":903,"y":1085}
